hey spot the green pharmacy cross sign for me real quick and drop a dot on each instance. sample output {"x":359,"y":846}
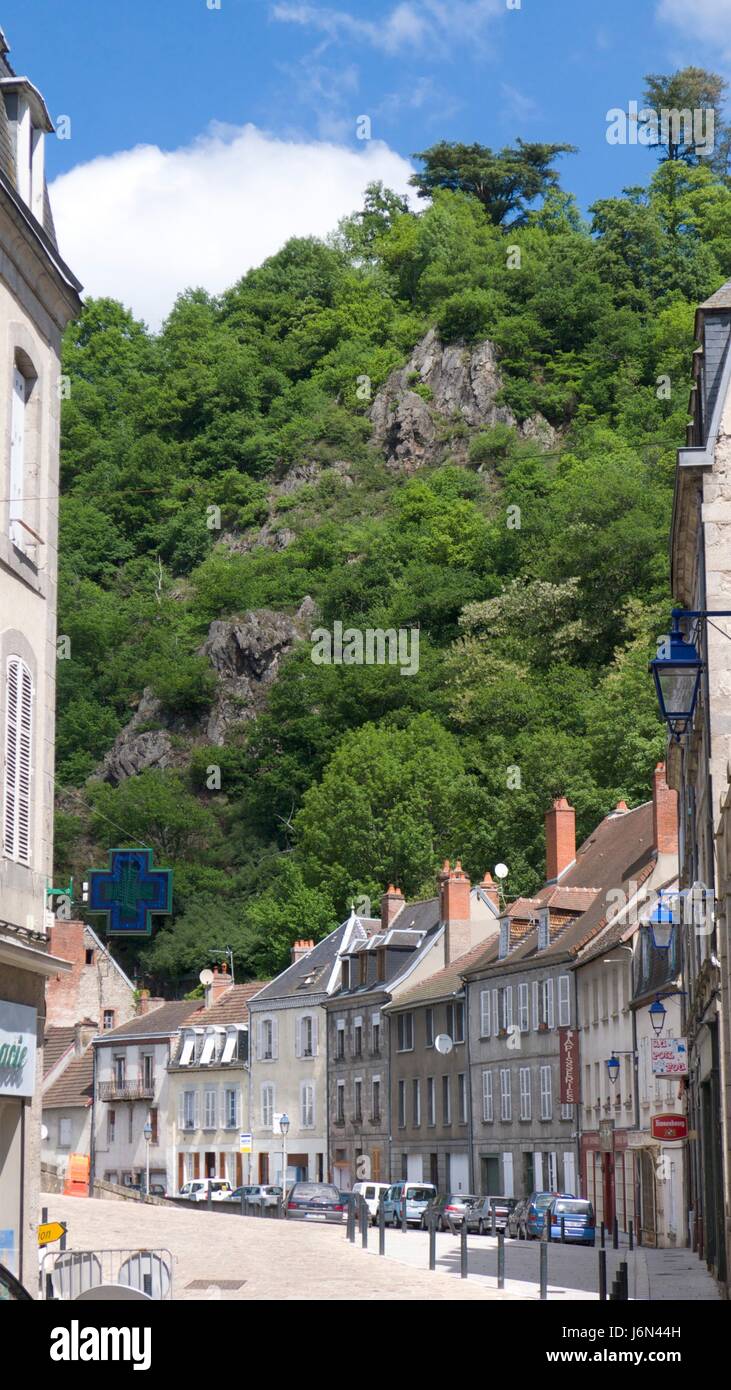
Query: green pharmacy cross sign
{"x":130,"y":892}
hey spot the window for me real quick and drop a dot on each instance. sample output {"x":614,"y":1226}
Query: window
{"x":307,"y":1105}
{"x":358,"y":1037}
{"x":209,"y":1108}
{"x":455,"y":1021}
{"x":484,"y":1013}
{"x":496,"y":1011}
{"x":462,"y":1097}
{"x":111,"y":1126}
{"x":525,"y":1093}
{"x":231,"y":1108}
{"x":567,"y":1112}
{"x":429,"y":1025}
{"x":543,"y":928}
{"x":108,"y":1021}
{"x":148,"y":1071}
{"x":446,"y":1100}
{"x":21,"y":392}
{"x":416,"y":1102}
{"x":547,"y":1003}
{"x":340,"y":1039}
{"x":153,"y":1118}
{"x":564,"y":1001}
{"x":363,"y":968}
{"x":380,"y":965}
{"x":401,"y":1104}
{"x":18,"y":761}
{"x":546,"y":1100}
{"x":268,"y":1039}
{"x":267,"y":1107}
{"x":506,"y":1108}
{"x":340,"y":1102}
{"x":536,"y":1005}
{"x":507,"y":1007}
{"x":188,"y":1114}
{"x":358,"y":1099}
{"x":88,"y":957}
{"x":405,"y":1032}
{"x":523,"y":1019}
{"x":487,"y":1111}
{"x":431,"y":1101}
{"x":64,"y":1134}
{"x":376,"y":1098}
{"x":120,"y":1069}
{"x":376,"y":1035}
{"x":504,"y":943}
{"x":307,"y":1036}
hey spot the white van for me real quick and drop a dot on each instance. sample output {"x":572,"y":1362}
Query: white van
{"x":197,"y":1190}
{"x":371,"y":1191}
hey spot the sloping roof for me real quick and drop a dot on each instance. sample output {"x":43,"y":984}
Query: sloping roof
{"x":419,"y":917}
{"x":56,"y":1041}
{"x":612,"y":931}
{"x":619,"y":851}
{"x":442,"y":983}
{"x":74,"y":1085}
{"x":721,"y":299}
{"x":167,"y":1018}
{"x":231,"y":1007}
{"x":318,"y":963}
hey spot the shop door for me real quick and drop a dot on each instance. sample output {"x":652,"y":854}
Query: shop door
{"x":11,"y":1181}
{"x":608,"y":1189}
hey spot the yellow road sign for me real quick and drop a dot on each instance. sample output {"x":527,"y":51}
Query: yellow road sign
{"x":52,"y":1230}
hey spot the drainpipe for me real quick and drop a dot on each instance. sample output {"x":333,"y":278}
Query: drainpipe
{"x":388,"y":1090}
{"x":92,"y":1142}
{"x":468,"y":1083}
{"x":578,"y":1107}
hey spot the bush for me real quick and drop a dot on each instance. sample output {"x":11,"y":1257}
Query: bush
{"x":466,"y":315}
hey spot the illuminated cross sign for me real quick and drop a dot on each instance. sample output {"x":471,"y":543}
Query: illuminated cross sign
{"x":130,"y":892}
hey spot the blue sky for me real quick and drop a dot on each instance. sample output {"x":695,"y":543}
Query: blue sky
{"x":298,"y":73}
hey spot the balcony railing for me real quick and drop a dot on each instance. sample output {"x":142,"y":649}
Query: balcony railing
{"x":126,"y":1090}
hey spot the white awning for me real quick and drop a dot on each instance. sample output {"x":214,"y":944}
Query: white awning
{"x":229,"y":1047}
{"x":187,"y":1052}
{"x":208,"y":1046}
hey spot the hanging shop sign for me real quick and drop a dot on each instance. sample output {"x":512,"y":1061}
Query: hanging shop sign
{"x":568,"y":1046}
{"x":17,"y":1049}
{"x":669,"y":1127}
{"x":669,"y":1056}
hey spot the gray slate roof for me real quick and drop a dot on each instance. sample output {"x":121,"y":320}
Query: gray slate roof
{"x":720,"y":299}
{"x":318,"y":963}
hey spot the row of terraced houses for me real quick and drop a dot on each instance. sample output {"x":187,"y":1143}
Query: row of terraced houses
{"x":458,"y":1040}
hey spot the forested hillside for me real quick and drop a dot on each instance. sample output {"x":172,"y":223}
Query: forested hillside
{"x":504,"y":483}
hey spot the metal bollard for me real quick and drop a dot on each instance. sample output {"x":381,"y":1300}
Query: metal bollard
{"x":463,"y":1250}
{"x":432,"y":1241}
{"x":243,"y":1204}
{"x":639,"y":1234}
{"x":381,"y":1226}
{"x":615,"y":1235}
{"x":404,"y":1222}
{"x":62,"y":1242}
{"x":563,"y":1230}
{"x":601,"y":1228}
{"x":209,"y":1200}
{"x":631,"y":1237}
{"x":501,"y":1259}
{"x":602,"y":1275}
{"x":494,"y":1220}
{"x":350,"y":1232}
{"x":365,"y":1217}
{"x":624,"y":1278}
{"x":544,"y":1270}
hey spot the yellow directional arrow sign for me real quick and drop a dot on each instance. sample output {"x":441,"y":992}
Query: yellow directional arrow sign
{"x":53,"y":1230}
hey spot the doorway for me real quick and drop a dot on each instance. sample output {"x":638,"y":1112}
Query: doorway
{"x":490,"y":1174}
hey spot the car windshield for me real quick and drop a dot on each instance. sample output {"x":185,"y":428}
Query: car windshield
{"x":575,"y":1208}
{"x":419,"y":1194}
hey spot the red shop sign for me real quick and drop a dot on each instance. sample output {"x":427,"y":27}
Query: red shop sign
{"x":669,"y":1127}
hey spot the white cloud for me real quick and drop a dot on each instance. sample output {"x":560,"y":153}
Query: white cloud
{"x":144,"y":224}
{"x":703,"y":19}
{"x":410,"y":25}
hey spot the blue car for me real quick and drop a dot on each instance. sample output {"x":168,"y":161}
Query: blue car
{"x":530,"y":1226}
{"x":578,"y":1220}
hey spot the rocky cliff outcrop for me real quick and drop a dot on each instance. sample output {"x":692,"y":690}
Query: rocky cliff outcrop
{"x":458,"y":385}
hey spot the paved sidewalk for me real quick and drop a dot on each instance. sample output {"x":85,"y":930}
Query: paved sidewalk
{"x":674,"y":1276}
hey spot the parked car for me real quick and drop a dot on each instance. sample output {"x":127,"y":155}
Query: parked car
{"x":371,"y":1191}
{"x":258,"y":1194}
{"x":530,"y":1225}
{"x":416,"y":1196}
{"x":578,"y":1220}
{"x":314,"y":1201}
{"x":11,"y":1290}
{"x":197,"y":1190}
{"x":448,"y":1210}
{"x":479,"y":1216}
{"x":517,"y":1219}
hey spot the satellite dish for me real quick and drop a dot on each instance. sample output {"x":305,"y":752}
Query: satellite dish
{"x":443,"y":1043}
{"x":206,"y":977}
{"x":501,"y":870}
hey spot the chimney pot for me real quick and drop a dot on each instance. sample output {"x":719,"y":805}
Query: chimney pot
{"x":455,"y":911}
{"x":301,"y":948}
{"x":391,"y":904}
{"x":560,"y":824}
{"x":490,"y":889}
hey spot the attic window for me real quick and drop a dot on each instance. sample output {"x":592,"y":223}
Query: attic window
{"x":89,"y":957}
{"x":504,"y":945}
{"x":544,"y":928}
{"x":29,"y":121}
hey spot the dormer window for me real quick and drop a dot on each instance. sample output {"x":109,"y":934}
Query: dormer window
{"x":504,"y":944}
{"x":29,"y":122}
{"x":544,"y":929}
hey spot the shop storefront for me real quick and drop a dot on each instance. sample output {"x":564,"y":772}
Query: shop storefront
{"x":17,"y":1084}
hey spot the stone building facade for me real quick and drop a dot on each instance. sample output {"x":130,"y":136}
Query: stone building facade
{"x":38,"y":297}
{"x":96,"y":988}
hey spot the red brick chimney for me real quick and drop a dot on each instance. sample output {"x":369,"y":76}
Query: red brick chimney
{"x":664,"y":813}
{"x":391,"y":904}
{"x":560,"y":838}
{"x":454,"y":900}
{"x":146,"y":1002}
{"x":490,"y":889}
{"x":221,"y":982}
{"x":300,"y":949}
{"x":66,"y":940}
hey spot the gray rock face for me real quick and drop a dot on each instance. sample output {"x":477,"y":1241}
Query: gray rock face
{"x":246,"y":654}
{"x":463,"y":383}
{"x":135,"y":748}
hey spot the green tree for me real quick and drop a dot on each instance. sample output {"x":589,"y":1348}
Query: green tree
{"x":506,"y":182}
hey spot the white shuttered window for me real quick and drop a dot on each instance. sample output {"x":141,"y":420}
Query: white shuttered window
{"x":18,"y":761}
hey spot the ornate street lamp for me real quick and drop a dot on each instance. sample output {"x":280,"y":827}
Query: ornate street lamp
{"x":660,"y":925}
{"x":613,"y":1068}
{"x":658,"y":1013}
{"x":677,"y":675}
